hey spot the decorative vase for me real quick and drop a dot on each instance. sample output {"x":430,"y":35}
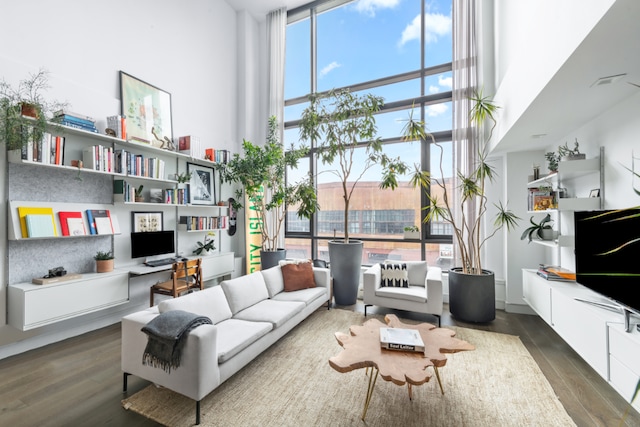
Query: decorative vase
{"x":472,"y":297}
{"x":270,"y":259}
{"x":345,"y":261}
{"x":548,"y":234}
{"x":104,"y":265}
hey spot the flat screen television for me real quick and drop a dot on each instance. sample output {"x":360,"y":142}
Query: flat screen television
{"x":151,"y":243}
{"x":607,"y":250}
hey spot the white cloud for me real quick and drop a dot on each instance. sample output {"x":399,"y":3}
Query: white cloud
{"x":436,"y":25}
{"x":434,"y":89}
{"x":436,"y":110}
{"x":369,"y":7}
{"x":445,"y":81}
{"x":326,"y":70}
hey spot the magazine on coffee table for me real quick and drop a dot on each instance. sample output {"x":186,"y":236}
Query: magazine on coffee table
{"x":401,"y":339}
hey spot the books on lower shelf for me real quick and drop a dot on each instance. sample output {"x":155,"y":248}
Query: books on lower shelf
{"x":401,"y":339}
{"x":555,"y":273}
{"x":24,"y":211}
{"x":199,"y":223}
{"x":99,"y":221}
{"x":69,"y":218}
{"x":40,"y":225}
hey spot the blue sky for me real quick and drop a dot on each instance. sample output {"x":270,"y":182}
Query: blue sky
{"x":370,"y":39}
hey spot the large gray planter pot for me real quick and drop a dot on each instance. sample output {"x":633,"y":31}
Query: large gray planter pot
{"x":270,"y":259}
{"x":472,"y":297}
{"x":345,"y":260}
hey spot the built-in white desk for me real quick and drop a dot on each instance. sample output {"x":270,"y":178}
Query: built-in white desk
{"x":32,"y":306}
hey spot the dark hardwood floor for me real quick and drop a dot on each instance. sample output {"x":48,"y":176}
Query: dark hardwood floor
{"x":78,"y":382}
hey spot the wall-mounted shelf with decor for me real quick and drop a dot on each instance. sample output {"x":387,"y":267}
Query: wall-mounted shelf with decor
{"x":19,"y":212}
{"x":569,"y":176}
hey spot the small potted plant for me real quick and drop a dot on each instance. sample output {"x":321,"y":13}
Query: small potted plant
{"x":543,"y":230}
{"x":104,"y":261}
{"x":206,"y":246}
{"x":411,"y":232}
{"x":25,"y":105}
{"x":552,"y":161}
{"x":183,"y":177}
{"x":139,"y":197}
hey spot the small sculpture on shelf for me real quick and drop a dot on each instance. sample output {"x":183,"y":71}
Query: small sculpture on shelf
{"x":566,"y":153}
{"x":166,"y":142}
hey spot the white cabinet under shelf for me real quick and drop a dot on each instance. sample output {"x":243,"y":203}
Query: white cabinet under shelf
{"x":32,"y":306}
{"x":595,"y":333}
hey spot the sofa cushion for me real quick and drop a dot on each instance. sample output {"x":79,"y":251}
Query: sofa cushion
{"x":245,"y":291}
{"x":235,"y":335}
{"x":273,"y":279}
{"x":412,"y":293}
{"x":275,"y":312}
{"x":305,"y":295}
{"x":298,"y":276}
{"x":210,"y":302}
{"x":394,"y":275}
{"x":416,"y":270}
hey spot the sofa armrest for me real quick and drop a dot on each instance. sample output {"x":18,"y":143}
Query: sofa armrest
{"x":434,"y":288}
{"x":322,"y":277}
{"x":198,"y":372}
{"x":371,"y":282}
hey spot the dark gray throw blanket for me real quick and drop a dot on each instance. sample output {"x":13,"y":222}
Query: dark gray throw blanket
{"x":166,"y":335}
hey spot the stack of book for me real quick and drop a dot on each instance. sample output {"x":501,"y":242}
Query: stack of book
{"x":556,"y":273}
{"x":75,"y":120}
{"x":401,"y":339}
{"x":119,"y":125}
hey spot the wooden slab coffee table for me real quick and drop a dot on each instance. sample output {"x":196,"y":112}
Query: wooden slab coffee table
{"x":361,"y":349}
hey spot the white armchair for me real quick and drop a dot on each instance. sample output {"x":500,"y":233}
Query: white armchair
{"x":424,"y":294}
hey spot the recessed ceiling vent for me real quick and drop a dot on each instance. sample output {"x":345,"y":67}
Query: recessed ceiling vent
{"x":608,"y":80}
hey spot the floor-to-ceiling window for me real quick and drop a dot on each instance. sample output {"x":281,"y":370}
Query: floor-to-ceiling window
{"x":400,"y":50}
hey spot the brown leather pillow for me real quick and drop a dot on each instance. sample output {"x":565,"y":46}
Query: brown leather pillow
{"x":298,"y":276}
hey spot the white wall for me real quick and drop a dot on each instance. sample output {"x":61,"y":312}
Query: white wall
{"x":533,"y":39}
{"x":189,"y":49}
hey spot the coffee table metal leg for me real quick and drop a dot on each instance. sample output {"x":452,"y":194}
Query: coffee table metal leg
{"x":435,"y":368}
{"x":372,"y":384}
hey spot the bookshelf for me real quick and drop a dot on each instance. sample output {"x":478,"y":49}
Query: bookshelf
{"x":569,"y":177}
{"x":65,"y":187}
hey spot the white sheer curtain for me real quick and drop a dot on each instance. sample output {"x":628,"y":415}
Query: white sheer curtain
{"x":465,"y":80}
{"x":276,"y":42}
{"x":276,"y":32}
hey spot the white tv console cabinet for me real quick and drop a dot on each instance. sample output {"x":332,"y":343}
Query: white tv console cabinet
{"x":595,"y":333}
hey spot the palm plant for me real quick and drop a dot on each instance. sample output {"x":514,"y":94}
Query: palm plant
{"x":472,"y":203}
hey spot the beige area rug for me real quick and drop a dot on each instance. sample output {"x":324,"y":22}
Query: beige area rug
{"x":292,"y":384}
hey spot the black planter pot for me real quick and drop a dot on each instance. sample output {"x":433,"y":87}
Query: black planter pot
{"x":472,"y":297}
{"x":270,"y":259}
{"x":345,"y":260}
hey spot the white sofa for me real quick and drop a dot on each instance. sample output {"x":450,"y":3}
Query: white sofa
{"x":249,"y":314}
{"x":424,"y":294}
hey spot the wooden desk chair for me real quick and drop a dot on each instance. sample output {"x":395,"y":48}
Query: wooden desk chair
{"x":185,"y":275}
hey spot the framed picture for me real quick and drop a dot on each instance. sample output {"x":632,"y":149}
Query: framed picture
{"x":594,"y":193}
{"x":146,"y":221}
{"x":202,"y":188}
{"x":148,"y":112}
{"x":542,"y":203}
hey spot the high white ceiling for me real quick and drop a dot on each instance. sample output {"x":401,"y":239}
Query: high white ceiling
{"x":260,"y":8}
{"x":570,"y":100}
